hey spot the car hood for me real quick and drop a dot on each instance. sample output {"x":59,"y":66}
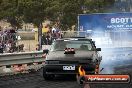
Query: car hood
{"x":59,"y":55}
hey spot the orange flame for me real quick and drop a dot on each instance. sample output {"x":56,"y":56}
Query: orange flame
{"x":81,"y":71}
{"x":97,"y":69}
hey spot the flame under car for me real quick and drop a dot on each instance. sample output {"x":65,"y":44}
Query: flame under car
{"x":67,"y":55}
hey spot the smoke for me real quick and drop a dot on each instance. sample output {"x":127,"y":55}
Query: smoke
{"x":116,"y":46}
{"x":121,"y":38}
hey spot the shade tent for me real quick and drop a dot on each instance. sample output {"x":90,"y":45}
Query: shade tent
{"x":45,"y":29}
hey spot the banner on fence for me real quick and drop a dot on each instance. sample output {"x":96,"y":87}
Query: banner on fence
{"x":105,"y":21}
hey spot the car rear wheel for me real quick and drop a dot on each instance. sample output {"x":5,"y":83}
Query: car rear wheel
{"x":47,"y":76}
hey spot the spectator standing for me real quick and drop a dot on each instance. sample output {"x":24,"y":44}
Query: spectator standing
{"x":1,"y":48}
{"x":47,"y":38}
{"x":54,"y":35}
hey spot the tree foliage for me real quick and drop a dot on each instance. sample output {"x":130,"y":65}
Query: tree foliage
{"x":97,"y":6}
{"x":34,"y":11}
{"x":9,"y":12}
{"x":65,"y":12}
{"x":61,"y":12}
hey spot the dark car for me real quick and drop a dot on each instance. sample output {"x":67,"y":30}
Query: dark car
{"x":66,"y":55}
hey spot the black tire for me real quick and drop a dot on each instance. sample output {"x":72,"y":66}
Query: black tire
{"x":47,"y":76}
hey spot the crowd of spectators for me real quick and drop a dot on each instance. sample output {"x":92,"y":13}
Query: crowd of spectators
{"x":7,"y":40}
{"x":50,"y":36}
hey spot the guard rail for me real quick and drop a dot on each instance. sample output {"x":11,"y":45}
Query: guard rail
{"x":9,"y":59}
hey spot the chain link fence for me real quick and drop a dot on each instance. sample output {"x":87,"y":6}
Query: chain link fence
{"x":110,"y":38}
{"x":68,"y":34}
{"x":29,"y":45}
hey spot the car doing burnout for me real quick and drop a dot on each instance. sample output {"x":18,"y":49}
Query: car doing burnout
{"x":66,"y":55}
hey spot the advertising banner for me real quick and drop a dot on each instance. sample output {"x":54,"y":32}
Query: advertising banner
{"x":105,"y":21}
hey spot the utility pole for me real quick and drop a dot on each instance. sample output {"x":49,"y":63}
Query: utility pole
{"x":40,"y":36}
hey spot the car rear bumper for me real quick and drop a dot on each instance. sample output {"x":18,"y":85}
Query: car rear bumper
{"x":58,"y":69}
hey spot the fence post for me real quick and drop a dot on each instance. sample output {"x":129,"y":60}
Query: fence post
{"x":29,"y":45}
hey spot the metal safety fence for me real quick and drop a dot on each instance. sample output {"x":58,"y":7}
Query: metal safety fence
{"x":20,"y":62}
{"x":29,"y":45}
{"x":68,"y":34}
{"x":108,"y":38}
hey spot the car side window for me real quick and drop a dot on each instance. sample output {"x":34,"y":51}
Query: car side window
{"x":86,"y":47}
{"x":90,"y":47}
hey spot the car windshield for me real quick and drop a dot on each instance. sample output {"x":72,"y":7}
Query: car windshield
{"x":77,"y":45}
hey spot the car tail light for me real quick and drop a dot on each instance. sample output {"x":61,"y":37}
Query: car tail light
{"x":69,"y":51}
{"x":72,"y":49}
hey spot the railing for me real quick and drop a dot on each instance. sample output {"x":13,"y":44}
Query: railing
{"x":66,"y":34}
{"x":21,"y":58}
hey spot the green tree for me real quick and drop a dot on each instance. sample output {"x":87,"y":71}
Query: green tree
{"x":9,"y":12}
{"x":34,"y":11}
{"x":65,"y":12}
{"x":97,"y":6}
